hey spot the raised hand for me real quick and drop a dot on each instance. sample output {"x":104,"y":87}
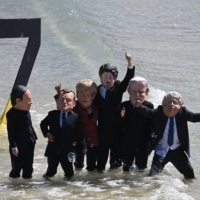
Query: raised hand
{"x":128,"y":58}
{"x":58,"y":88}
{"x":123,"y":112}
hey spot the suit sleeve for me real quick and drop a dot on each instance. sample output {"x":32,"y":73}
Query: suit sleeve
{"x":11,"y":128}
{"x":129,"y":75}
{"x":31,"y":126}
{"x":192,"y":117}
{"x":44,"y":125}
{"x":148,"y":112}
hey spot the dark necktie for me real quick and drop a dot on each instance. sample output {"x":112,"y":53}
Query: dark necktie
{"x":107,"y":94}
{"x":64,"y":120}
{"x":90,"y":116}
{"x":171,"y":132}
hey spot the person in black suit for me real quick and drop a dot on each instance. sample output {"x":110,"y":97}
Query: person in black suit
{"x":61,"y":127}
{"x":171,"y":136}
{"x":108,"y":99}
{"x":135,"y":129}
{"x":21,"y":135}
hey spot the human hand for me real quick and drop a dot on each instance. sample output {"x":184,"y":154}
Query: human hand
{"x":123,"y":112}
{"x":84,"y":151}
{"x":50,"y":137}
{"x":15,"y":152}
{"x":58,"y":88}
{"x":128,"y":58}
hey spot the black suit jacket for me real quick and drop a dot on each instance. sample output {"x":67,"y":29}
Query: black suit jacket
{"x":108,"y":108}
{"x":20,"y":130}
{"x":160,"y":121}
{"x":63,"y":139}
{"x":135,"y":129}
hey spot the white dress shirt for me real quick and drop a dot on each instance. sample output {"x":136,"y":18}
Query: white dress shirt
{"x":162,"y":147}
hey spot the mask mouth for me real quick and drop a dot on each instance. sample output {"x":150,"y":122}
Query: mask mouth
{"x":137,"y":98}
{"x":107,"y":86}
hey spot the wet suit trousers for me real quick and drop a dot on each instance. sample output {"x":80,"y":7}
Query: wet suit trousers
{"x":53,"y":163}
{"x":178,"y":158}
{"x":24,"y":162}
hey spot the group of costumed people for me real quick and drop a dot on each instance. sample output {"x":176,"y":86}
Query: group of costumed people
{"x":99,"y":124}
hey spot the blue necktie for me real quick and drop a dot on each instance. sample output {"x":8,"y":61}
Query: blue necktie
{"x":171,"y":132}
{"x":64,"y":120}
{"x":107,"y":94}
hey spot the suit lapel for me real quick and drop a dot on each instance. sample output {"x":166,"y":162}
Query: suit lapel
{"x":178,"y":123}
{"x":69,"y":118}
{"x":164,"y":122}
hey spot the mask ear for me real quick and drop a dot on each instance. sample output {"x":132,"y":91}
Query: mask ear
{"x":147,"y":91}
{"x":74,"y":103}
{"x":18,"y":100}
{"x":128,"y":89}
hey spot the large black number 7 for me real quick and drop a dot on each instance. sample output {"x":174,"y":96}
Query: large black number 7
{"x":22,"y":28}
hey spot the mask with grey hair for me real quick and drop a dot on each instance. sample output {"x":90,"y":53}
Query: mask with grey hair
{"x":173,"y":95}
{"x":139,"y":79}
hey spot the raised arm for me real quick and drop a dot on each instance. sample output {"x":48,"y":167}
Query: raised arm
{"x":129,"y":74}
{"x":192,"y":117}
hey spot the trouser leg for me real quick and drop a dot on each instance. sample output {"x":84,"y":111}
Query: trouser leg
{"x":15,"y":171}
{"x":66,"y":166}
{"x":180,"y":160}
{"x":16,"y":166}
{"x":91,"y":158}
{"x":115,"y":160}
{"x":52,"y":166}
{"x":127,"y":163}
{"x":102,"y":156}
{"x":79,"y":157}
{"x":115,"y":154}
{"x":28,"y":161}
{"x":157,"y":164}
{"x":141,"y":158}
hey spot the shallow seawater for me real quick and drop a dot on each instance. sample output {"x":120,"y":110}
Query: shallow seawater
{"x":77,"y":37}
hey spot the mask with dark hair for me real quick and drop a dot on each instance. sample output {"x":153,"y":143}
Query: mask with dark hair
{"x":17,"y":92}
{"x":67,"y":91}
{"x":108,"y":68}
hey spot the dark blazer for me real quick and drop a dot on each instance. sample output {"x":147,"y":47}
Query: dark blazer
{"x":63,"y":139}
{"x":108,"y":108}
{"x":135,"y":129}
{"x":20,"y":130}
{"x":160,"y":121}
